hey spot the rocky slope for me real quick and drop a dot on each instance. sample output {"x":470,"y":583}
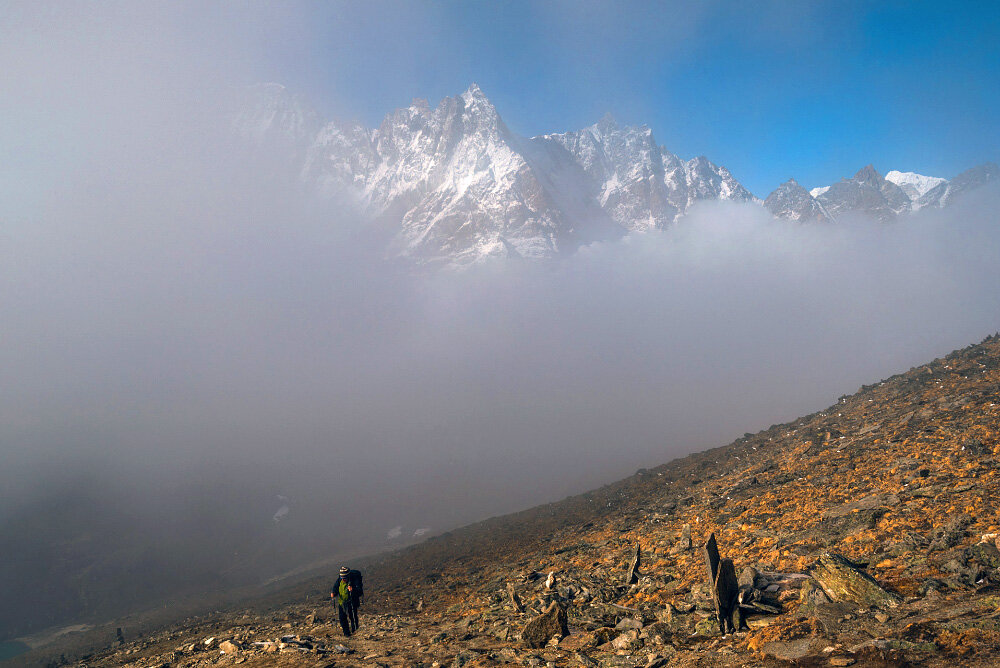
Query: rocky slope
{"x":863,"y":534}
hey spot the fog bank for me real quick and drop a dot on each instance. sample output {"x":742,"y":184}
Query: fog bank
{"x":190,"y":343}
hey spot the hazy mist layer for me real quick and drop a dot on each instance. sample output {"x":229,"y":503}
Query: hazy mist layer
{"x":186,"y":336}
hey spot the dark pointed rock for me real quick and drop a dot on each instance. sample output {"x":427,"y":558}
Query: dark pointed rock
{"x":540,"y":630}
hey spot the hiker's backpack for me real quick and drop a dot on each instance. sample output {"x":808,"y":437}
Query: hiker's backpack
{"x":357,"y":582}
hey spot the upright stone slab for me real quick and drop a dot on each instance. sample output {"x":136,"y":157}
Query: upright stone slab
{"x":711,"y":554}
{"x":632,"y":576}
{"x":515,"y":600}
{"x":727,"y":596}
{"x":725,"y":587}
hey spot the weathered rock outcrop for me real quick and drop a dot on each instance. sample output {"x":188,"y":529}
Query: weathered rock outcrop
{"x":843,"y":581}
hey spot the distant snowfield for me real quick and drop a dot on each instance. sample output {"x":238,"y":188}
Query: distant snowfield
{"x":913,"y":184}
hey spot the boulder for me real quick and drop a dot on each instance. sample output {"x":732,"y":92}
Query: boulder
{"x":628,"y":641}
{"x":685,"y":542}
{"x":811,"y":594}
{"x":985,"y":554}
{"x":843,"y":581}
{"x":659,"y":633}
{"x":604,"y":634}
{"x":228,"y":647}
{"x":515,"y":600}
{"x":628,"y":623}
{"x":724,"y":587}
{"x":552,"y":622}
{"x":748,"y":577}
{"x":796,"y":651}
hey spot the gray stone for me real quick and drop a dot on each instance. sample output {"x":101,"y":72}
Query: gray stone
{"x":985,"y":554}
{"x":724,"y":587}
{"x":628,"y":623}
{"x":748,"y":578}
{"x":552,"y":622}
{"x":842,"y":581}
{"x":515,"y":600}
{"x":792,"y":651}
{"x":812,"y":594}
{"x":685,"y":541}
{"x":628,"y":641}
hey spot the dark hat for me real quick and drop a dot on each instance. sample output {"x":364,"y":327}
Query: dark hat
{"x":344,"y":570}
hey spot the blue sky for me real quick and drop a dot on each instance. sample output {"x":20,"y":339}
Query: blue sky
{"x":769,"y":89}
{"x":772,"y":89}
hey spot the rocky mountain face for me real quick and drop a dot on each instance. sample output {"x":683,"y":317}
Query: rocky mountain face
{"x":914,"y":185}
{"x":637,"y":183}
{"x":868,"y":192}
{"x":863,"y":534}
{"x":457,"y":185}
{"x":454,"y":185}
{"x":944,"y":193}
{"x":793,"y":202}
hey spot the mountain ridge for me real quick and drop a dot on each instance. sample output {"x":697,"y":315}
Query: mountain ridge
{"x":464,"y":187}
{"x":456,"y":186}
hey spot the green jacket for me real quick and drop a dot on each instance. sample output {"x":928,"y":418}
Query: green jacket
{"x":342,"y":593}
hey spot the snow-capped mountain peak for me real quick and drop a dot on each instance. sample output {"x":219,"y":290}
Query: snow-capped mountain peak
{"x":461,"y":186}
{"x":913,"y":184}
{"x":477,"y":107}
{"x":865,"y":192}
{"x":884,"y":198}
{"x":607,"y":125}
{"x":457,"y":186}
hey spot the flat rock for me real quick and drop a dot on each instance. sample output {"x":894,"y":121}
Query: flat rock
{"x":628,"y":623}
{"x":791,"y":650}
{"x":842,"y":581}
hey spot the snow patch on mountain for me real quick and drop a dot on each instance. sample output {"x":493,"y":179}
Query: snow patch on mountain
{"x":913,"y":184}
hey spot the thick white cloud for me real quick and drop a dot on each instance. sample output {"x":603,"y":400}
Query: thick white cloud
{"x":170,"y":311}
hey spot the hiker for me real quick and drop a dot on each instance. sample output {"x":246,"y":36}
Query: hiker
{"x":347,"y":593}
